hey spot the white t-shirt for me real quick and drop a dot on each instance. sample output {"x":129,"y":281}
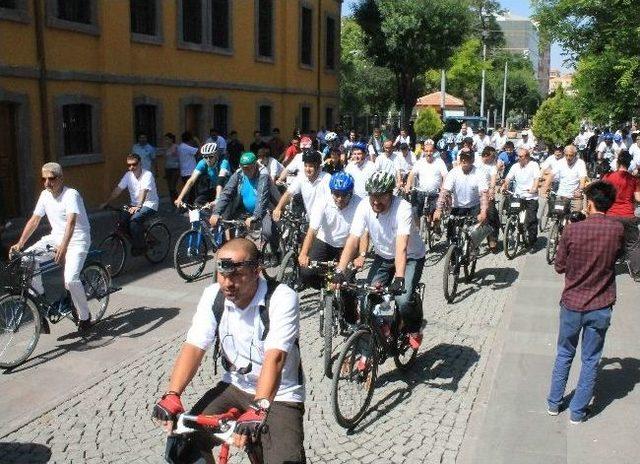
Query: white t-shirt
{"x":569,"y":176}
{"x":612,"y":151}
{"x":318,"y":190}
{"x":273,"y":166}
{"x":550,"y":163}
{"x":58,"y":208}
{"x":331,"y":223}
{"x":581,"y":139}
{"x":360,"y":176}
{"x":498,"y":142}
{"x":404,"y":163}
{"x":635,"y":152}
{"x":524,"y":178}
{"x":385,"y":227}
{"x":529,"y":144}
{"x":135,"y":185}
{"x":466,"y":188}
{"x":386,"y":164}
{"x":479,"y":143}
{"x":240,"y":332}
{"x":187,"y":157}
{"x":489,"y":170}
{"x":429,"y":175}
{"x":400,"y":139}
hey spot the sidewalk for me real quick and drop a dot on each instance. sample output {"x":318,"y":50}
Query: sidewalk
{"x":509,"y":423}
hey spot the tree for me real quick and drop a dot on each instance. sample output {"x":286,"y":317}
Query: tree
{"x":557,"y":121}
{"x":428,"y":123}
{"x":410,"y":35}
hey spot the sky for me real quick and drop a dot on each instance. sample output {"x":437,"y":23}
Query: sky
{"x":517,"y":7}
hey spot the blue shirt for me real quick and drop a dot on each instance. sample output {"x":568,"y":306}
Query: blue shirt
{"x":249,"y":193}
{"x":147,"y":154}
{"x":508,"y":160}
{"x":212,"y":171}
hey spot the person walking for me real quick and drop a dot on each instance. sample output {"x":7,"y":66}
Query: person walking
{"x":171,"y":165}
{"x":586,"y":255}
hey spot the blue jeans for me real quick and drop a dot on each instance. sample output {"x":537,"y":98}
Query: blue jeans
{"x":382,"y":270}
{"x":136,"y":226}
{"x":593,"y":325}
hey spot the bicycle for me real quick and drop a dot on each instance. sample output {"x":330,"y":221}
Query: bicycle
{"x":462,"y":253}
{"x":191,"y":250}
{"x":156,"y":236}
{"x":427,"y":231}
{"x":293,"y":232}
{"x":515,"y":232}
{"x":24,"y":313}
{"x":379,"y":335}
{"x":559,"y":218}
{"x":221,"y":426}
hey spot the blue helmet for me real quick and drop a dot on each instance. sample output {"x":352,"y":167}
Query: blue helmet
{"x":608,"y":137}
{"x":359,"y":146}
{"x":341,"y":182}
{"x":617,"y":138}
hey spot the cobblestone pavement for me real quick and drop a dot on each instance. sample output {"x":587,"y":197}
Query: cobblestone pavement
{"x":416,"y":417}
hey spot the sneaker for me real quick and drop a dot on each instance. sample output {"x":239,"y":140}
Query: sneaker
{"x":415,"y":340}
{"x":585,"y":416}
{"x":84,"y":327}
{"x":552,"y":411}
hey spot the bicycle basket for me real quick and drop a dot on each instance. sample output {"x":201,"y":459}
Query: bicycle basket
{"x":17,"y":271}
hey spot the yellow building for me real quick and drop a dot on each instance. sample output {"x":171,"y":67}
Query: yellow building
{"x":79,"y":78}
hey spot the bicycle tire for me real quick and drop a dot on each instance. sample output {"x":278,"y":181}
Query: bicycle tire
{"x":96,"y":289}
{"x":451,"y":273}
{"x":352,"y":353}
{"x":270,"y":260}
{"x":7,"y":312}
{"x":552,"y":242}
{"x":114,"y":254}
{"x":511,"y":237}
{"x":327,"y":333}
{"x":182,"y":251}
{"x":289,"y":271}
{"x":158,"y":240}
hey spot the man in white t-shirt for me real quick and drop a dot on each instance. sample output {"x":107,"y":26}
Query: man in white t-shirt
{"x":499,"y":139}
{"x":526,"y":142}
{"x":255,"y":325}
{"x":403,"y":161}
{"x":144,"y":200}
{"x":426,"y":177}
{"x":399,"y":250}
{"x":481,"y":140}
{"x":69,"y":239}
{"x":609,"y":150}
{"x":571,"y":174}
{"x":634,"y":151}
{"x":525,"y":175}
{"x":385,"y":161}
{"x":360,"y":169}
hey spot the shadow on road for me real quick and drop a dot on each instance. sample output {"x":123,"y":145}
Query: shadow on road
{"x":442,"y":367}
{"x":27,"y":453}
{"x":498,"y":278}
{"x":617,"y":377}
{"x":131,"y":323}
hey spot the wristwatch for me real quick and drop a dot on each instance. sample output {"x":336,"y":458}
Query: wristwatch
{"x":262,"y":403}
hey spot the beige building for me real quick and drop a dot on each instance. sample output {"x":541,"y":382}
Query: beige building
{"x":564,"y":80}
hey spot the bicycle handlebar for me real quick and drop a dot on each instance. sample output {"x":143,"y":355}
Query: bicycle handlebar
{"x":222,"y":426}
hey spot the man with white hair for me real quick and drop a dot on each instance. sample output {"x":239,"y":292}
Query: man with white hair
{"x":68,"y":241}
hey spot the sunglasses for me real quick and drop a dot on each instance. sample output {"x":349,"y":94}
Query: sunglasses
{"x":228,"y":267}
{"x":209,"y":157}
{"x":52,"y":178}
{"x":132,"y":165}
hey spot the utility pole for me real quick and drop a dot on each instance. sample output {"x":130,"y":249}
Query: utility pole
{"x":504,"y":91}
{"x":443,"y":85}
{"x":484,"y":58}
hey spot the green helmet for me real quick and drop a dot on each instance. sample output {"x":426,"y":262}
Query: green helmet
{"x":380,"y":182}
{"x":247,"y":158}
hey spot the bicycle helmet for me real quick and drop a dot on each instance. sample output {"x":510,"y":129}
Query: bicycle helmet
{"x":608,"y":137}
{"x":359,"y":146}
{"x":330,"y":137}
{"x":450,"y":139}
{"x":305,"y":142}
{"x":617,"y":138}
{"x":247,"y":158}
{"x":341,"y":182}
{"x":209,"y":148}
{"x":311,"y":156}
{"x":380,"y":182}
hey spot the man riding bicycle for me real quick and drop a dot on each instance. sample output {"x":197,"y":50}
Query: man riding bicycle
{"x":571,"y":174}
{"x":399,"y":250}
{"x":144,"y":200}
{"x":209,"y":176}
{"x":254,"y":325}
{"x":70,"y":237}
{"x":360,"y":168}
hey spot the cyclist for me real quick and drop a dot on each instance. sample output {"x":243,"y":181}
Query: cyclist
{"x":399,"y":250}
{"x":333,"y":161}
{"x":571,"y":174}
{"x":481,"y":140}
{"x":144,"y":200}
{"x":313,"y":185}
{"x":487,"y":164}
{"x":430,"y":172}
{"x":609,"y":149}
{"x":348,"y":144}
{"x":526,"y":141}
{"x":70,"y":237}
{"x":360,"y":168}
{"x":296,"y":166}
{"x":385,"y":161}
{"x":329,"y":225}
{"x":468,"y":186}
{"x":209,"y":176}
{"x":525,"y":175}
{"x":634,"y":151}
{"x":450,"y":152}
{"x":255,"y":326}
{"x":332,"y":141}
{"x":374,"y":147}
{"x":507,"y":158}
{"x":404,"y":159}
{"x":499,"y":140}
{"x":272,"y":165}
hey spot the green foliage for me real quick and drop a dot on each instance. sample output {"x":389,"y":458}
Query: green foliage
{"x":558,"y":119}
{"x":428,"y":123}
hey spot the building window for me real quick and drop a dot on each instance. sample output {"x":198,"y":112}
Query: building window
{"x":221,"y":118}
{"x":192,"y":21}
{"x":193,"y":119}
{"x":330,"y":44}
{"x":143,"y":17}
{"x":306,"y":35}
{"x":220,"y":23}
{"x":76,"y":11}
{"x":328,"y":118}
{"x":265,"y":28}
{"x":74,"y":15}
{"x":196,"y":33}
{"x":305,"y":119}
{"x":14,"y":10}
{"x":264,"y":117}
{"x":145,"y":122}
{"x":77,"y":129}
{"x":9,"y":4}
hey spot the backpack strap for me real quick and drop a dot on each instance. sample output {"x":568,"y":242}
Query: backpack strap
{"x":272,"y":284}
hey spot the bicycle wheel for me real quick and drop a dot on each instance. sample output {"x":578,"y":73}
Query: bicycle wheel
{"x":271,"y":264}
{"x":158,"y":240}
{"x":115,"y":254}
{"x":470,"y":270}
{"x":327,"y":332}
{"x":19,"y":329}
{"x":289,"y":271}
{"x":190,"y":254}
{"x":354,"y":378}
{"x":406,"y":355}
{"x":511,"y":238}
{"x":552,"y":242}
{"x":451,"y":273}
{"x":96,"y":282}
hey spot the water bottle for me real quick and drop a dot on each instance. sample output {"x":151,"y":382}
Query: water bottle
{"x":384,"y":313}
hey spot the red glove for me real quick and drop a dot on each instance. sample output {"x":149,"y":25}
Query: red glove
{"x":251,"y":422}
{"x":168,"y":408}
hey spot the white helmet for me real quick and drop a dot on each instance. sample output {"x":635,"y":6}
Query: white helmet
{"x":330,"y":137}
{"x":209,"y":148}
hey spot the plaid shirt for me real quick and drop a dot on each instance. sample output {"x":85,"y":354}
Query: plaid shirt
{"x":587,"y":255}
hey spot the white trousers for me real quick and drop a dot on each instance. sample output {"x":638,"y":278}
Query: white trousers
{"x":73,"y":263}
